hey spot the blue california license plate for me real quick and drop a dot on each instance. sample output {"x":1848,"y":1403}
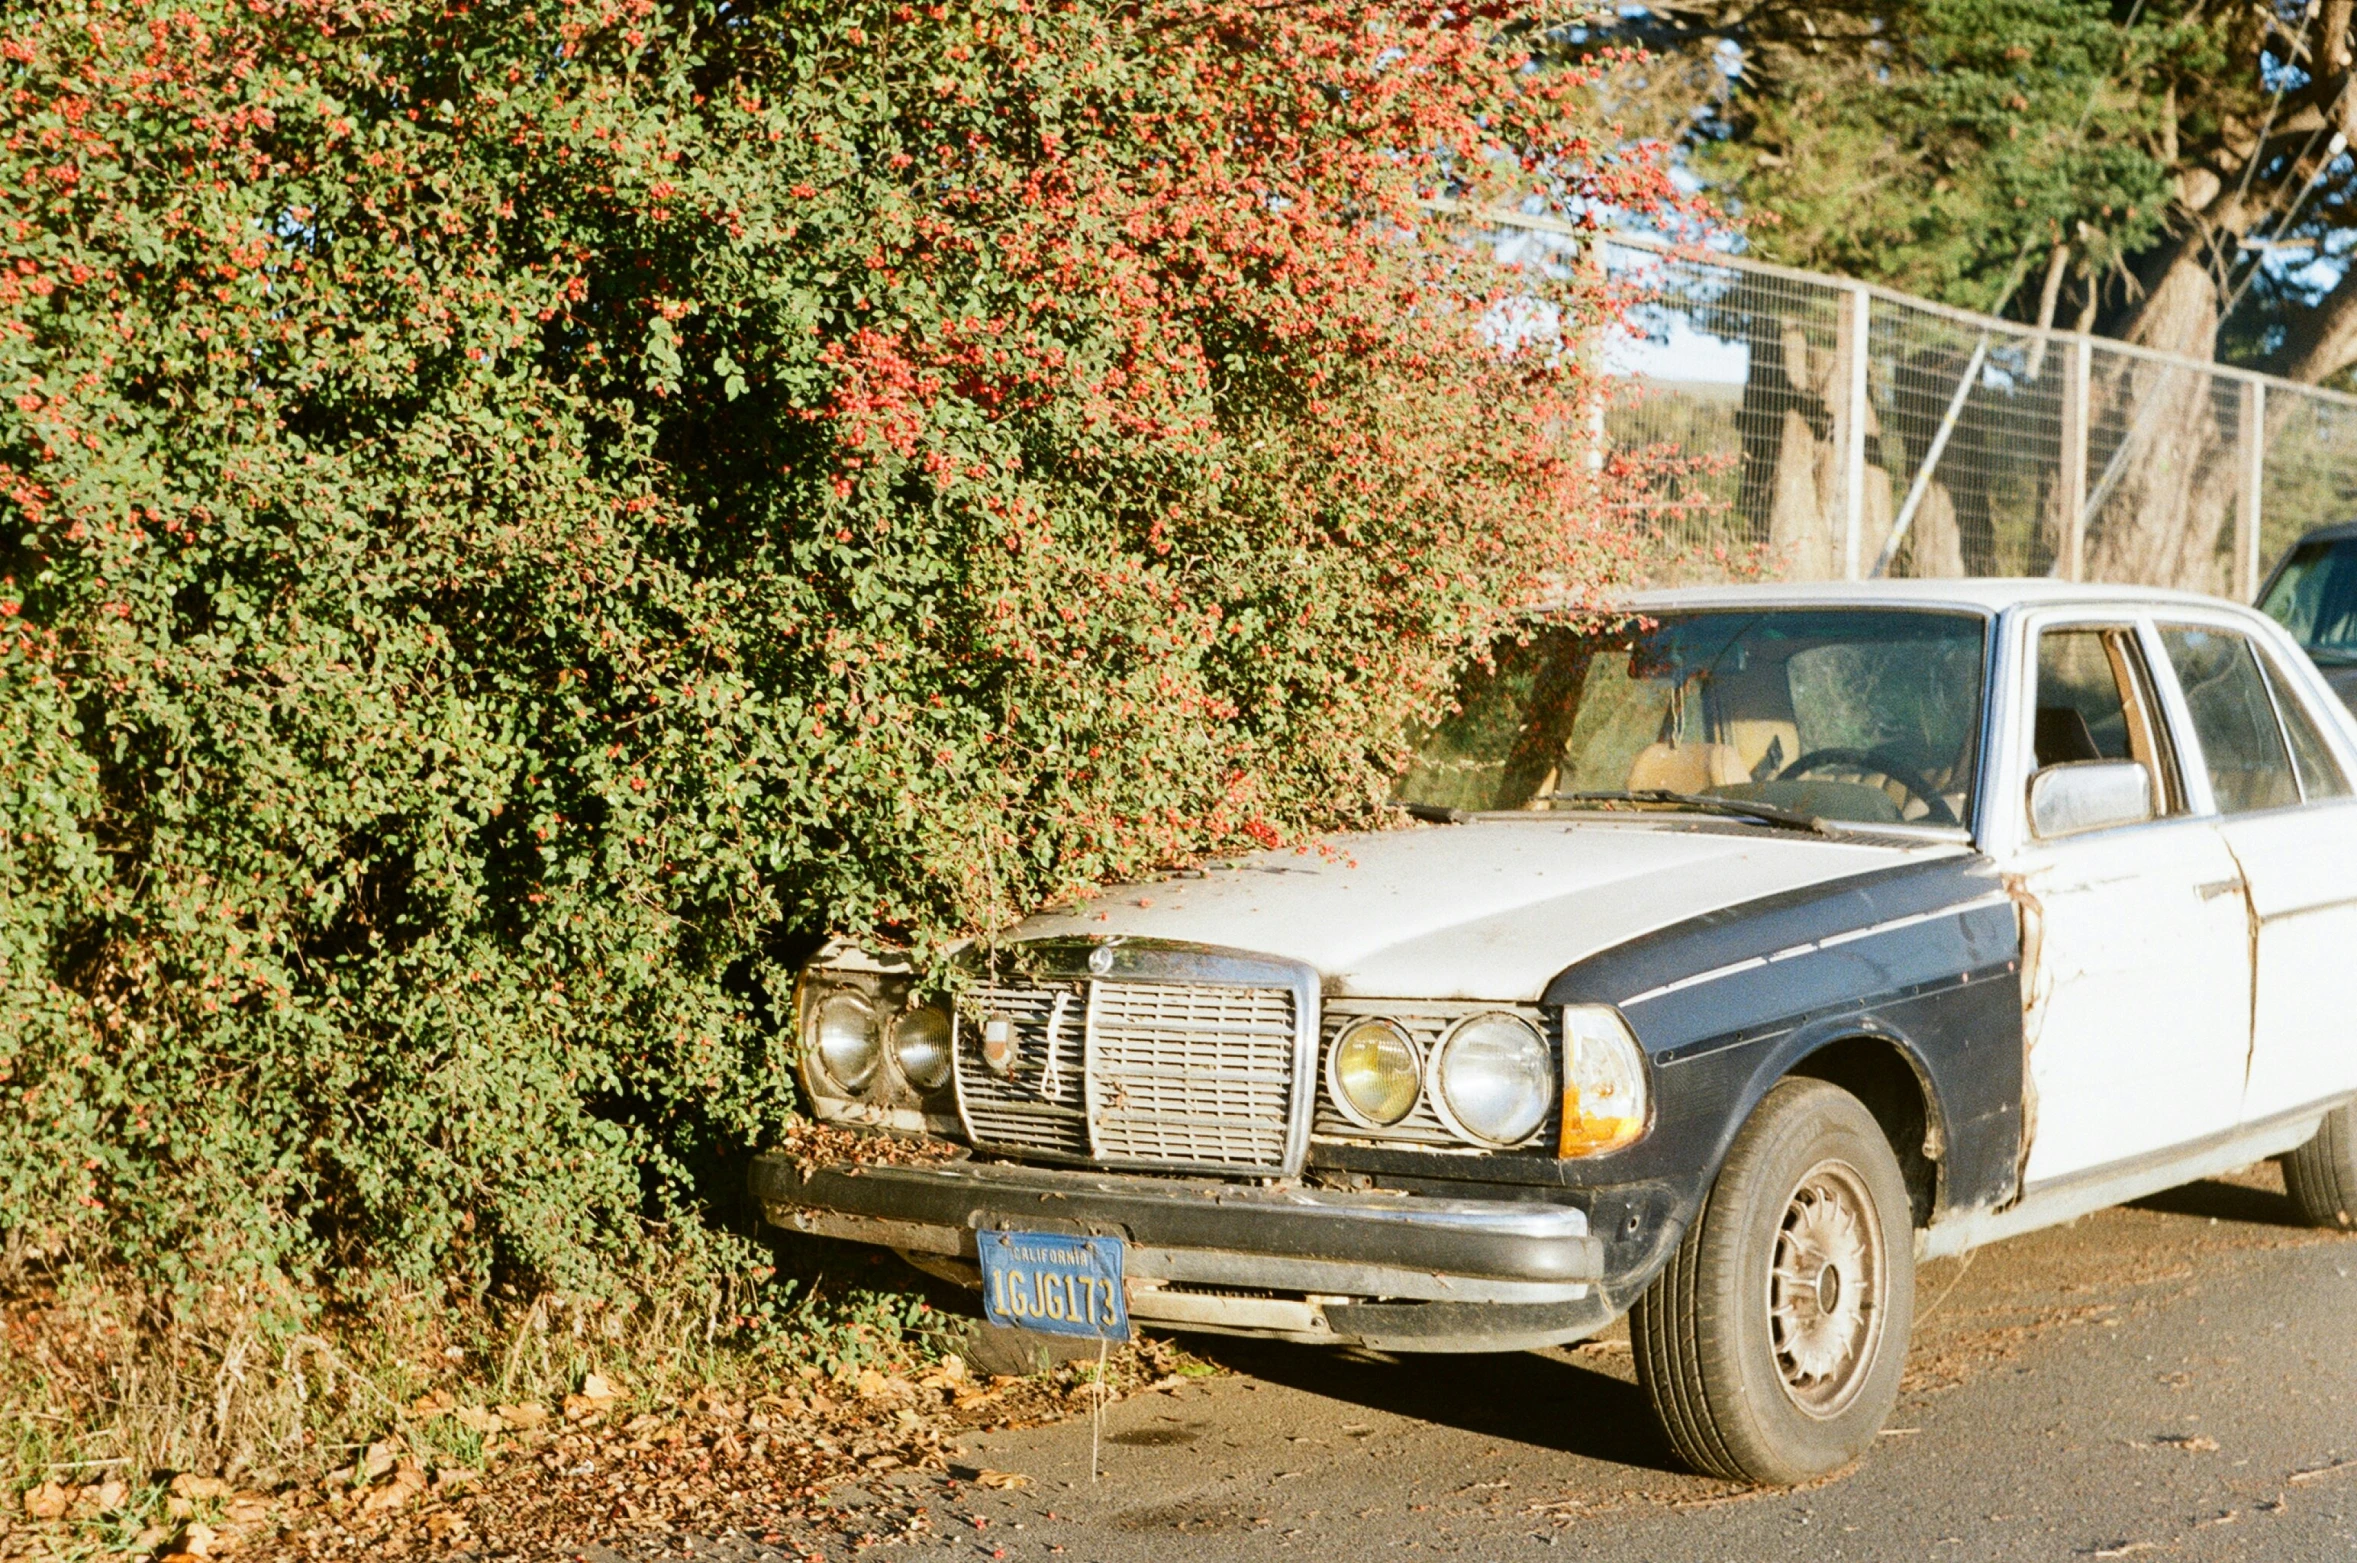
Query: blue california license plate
{"x":1054,"y":1283}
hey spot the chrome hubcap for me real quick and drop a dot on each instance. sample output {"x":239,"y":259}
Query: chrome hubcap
{"x":1825,"y":1289}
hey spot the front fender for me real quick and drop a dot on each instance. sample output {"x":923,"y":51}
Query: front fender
{"x":1923,"y":959}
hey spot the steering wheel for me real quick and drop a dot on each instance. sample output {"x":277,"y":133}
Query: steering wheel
{"x":1877,"y":762}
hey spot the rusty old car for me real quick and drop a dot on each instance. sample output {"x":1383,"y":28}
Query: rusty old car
{"x":1733,"y":957}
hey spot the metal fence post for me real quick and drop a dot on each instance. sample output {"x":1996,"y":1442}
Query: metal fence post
{"x":2071,"y":547}
{"x":1853,"y":341}
{"x":2250,"y":471}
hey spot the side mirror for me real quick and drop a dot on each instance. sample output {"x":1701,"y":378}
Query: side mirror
{"x":2089,"y":795}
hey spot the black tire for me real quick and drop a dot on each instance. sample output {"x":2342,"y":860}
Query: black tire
{"x":2321,"y":1176}
{"x":1779,"y":1384}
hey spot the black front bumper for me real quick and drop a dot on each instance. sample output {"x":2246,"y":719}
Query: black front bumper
{"x":1410,"y":1272}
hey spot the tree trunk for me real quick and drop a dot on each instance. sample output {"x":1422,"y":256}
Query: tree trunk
{"x":1791,"y":491}
{"x":2323,"y":341}
{"x":2168,"y":457}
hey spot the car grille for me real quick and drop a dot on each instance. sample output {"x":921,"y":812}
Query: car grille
{"x":1040,"y":1109}
{"x":1163,"y":1073}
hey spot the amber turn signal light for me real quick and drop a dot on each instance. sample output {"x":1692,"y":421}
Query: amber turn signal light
{"x":1605,"y":1102}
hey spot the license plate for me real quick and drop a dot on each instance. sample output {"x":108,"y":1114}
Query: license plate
{"x":1057,"y":1284}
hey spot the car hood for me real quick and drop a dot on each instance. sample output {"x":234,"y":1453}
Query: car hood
{"x":1491,"y":909}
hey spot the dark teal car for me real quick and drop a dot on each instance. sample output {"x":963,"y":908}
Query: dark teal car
{"x":2313,"y":593}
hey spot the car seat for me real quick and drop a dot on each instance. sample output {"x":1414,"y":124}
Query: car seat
{"x":2063,"y":737}
{"x":1694,"y":767}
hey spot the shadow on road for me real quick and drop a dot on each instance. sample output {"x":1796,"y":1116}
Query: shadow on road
{"x":2225,"y":1202}
{"x":1541,"y":1401}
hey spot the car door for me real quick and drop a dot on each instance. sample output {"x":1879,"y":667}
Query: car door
{"x":2137,"y":1000}
{"x":2285,"y":809}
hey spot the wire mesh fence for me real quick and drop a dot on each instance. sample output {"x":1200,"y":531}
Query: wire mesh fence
{"x":1807,"y":427}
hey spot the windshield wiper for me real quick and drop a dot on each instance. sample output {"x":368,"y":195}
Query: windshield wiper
{"x":1766,"y":813}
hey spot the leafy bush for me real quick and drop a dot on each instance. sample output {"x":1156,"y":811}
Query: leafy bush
{"x":515,"y":513}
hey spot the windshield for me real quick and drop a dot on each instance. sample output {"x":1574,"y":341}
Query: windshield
{"x":1869,"y":715}
{"x":2316,"y":598}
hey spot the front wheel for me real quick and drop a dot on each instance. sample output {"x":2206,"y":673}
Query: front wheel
{"x":1771,"y":1345}
{"x":2321,"y":1176}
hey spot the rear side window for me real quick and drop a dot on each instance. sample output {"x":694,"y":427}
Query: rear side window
{"x":2234,"y":719}
{"x":2320,"y":774}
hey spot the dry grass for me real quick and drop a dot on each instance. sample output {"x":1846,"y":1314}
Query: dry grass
{"x":133,"y":1425}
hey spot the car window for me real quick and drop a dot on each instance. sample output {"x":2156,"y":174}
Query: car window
{"x":2094,"y":703}
{"x":2233,"y":718}
{"x":2315,"y":597}
{"x":1864,"y":714}
{"x":2320,"y":773}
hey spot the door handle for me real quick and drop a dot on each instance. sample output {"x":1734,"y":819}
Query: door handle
{"x":2219,"y":887}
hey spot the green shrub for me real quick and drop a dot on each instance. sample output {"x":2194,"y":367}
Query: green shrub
{"x":514,"y":514}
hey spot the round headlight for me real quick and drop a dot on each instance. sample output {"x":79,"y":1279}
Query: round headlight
{"x":1373,"y":1073}
{"x":920,"y":1046}
{"x":1495,"y":1078}
{"x":845,"y":1041}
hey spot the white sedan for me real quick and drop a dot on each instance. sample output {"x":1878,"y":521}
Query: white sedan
{"x":1748,"y":949}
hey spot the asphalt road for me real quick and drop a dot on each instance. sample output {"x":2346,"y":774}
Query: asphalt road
{"x":2174,"y":1379}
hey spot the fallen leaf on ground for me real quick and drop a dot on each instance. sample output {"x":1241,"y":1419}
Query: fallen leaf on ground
{"x":2191,"y":1443}
{"x":49,"y":1501}
{"x":1002,"y":1480}
{"x":107,"y":1496}
{"x":199,"y":1488}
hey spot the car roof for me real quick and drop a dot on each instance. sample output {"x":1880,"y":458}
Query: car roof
{"x":1986,"y":594}
{"x":2338,"y":532}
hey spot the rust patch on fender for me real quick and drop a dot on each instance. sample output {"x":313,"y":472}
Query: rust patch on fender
{"x":2037,"y":984}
